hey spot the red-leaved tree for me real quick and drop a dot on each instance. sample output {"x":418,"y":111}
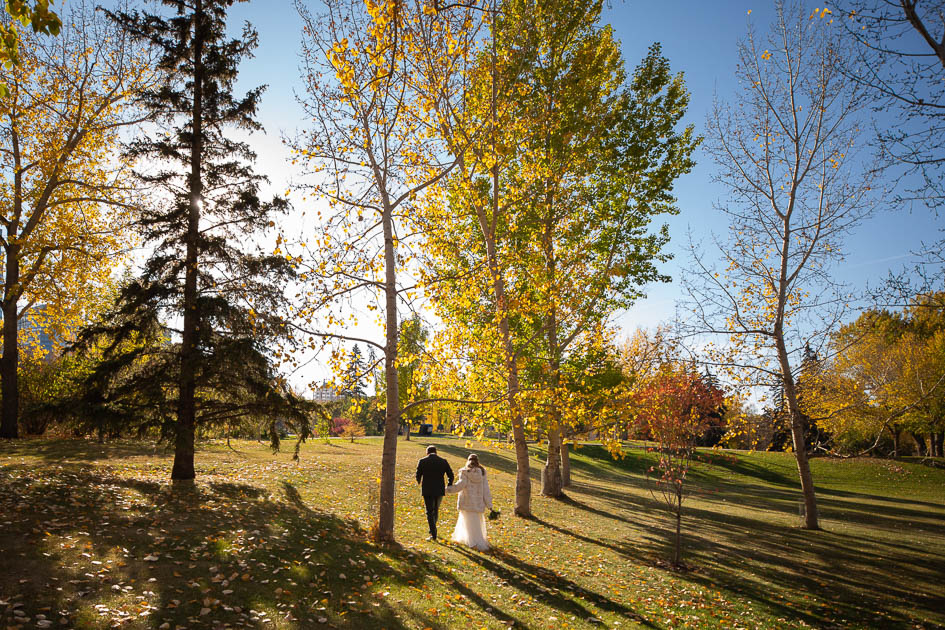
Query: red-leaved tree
{"x":676,"y":405}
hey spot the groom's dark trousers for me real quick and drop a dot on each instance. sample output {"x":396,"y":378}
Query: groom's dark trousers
{"x":432,"y":503}
{"x":430,"y":471}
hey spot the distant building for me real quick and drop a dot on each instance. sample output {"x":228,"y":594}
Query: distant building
{"x":325,"y":394}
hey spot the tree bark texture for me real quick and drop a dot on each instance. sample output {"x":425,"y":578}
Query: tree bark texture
{"x":565,"y":466}
{"x":937,"y":440}
{"x":385,"y":520}
{"x":895,"y":433}
{"x":551,"y":482}
{"x":677,"y":547}
{"x":183,"y":470}
{"x":798,"y":436}
{"x":9,"y":387}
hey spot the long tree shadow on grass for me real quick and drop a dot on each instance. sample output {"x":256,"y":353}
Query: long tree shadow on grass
{"x":724,"y":497}
{"x":94,"y":548}
{"x":739,"y":465}
{"x":861,"y":508}
{"x":856,"y":575}
{"x":625,"y":550}
{"x":488,"y":459}
{"x":434,"y":569}
{"x":852,"y":578}
{"x":596,"y":460}
{"x":81,"y":449}
{"x":718,"y":507}
{"x":849,"y":581}
{"x":747,"y":479}
{"x":546,"y":586}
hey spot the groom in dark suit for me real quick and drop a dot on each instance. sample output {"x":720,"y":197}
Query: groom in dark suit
{"x":430,"y":471}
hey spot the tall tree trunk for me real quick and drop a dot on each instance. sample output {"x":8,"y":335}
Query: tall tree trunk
{"x":9,"y":385}
{"x":183,"y":470}
{"x":938,"y":438}
{"x":920,"y":444}
{"x":677,"y":547}
{"x":895,"y":433}
{"x":523,"y":481}
{"x":385,"y":520}
{"x":565,"y":466}
{"x":798,"y":434}
{"x":551,"y":483}
{"x":10,"y":361}
{"x":551,"y":479}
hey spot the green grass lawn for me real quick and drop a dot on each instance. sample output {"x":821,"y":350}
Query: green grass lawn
{"x":92,"y":536}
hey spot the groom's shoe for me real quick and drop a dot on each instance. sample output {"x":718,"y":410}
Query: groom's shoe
{"x":431,"y":538}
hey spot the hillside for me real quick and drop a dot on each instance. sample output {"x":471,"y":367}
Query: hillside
{"x":93,"y":537}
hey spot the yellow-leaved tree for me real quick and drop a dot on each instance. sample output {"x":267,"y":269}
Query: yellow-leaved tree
{"x":64,"y":189}
{"x":372,"y":73}
{"x":470,"y":243}
{"x":886,"y":377}
{"x":543,"y":231}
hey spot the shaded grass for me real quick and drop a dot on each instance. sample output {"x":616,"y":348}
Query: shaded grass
{"x":93,"y":536}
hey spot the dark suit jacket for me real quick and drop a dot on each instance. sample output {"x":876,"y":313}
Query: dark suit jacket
{"x":430,"y":471}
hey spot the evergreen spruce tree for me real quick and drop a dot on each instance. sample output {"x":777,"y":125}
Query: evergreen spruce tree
{"x":715,"y":425}
{"x":354,"y":375}
{"x":216,"y":302}
{"x":776,"y":415}
{"x":809,"y":380}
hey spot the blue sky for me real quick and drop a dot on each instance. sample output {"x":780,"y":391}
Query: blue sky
{"x":699,"y":37}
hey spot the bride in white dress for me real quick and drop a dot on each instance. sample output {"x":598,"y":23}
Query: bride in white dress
{"x":473,"y":501}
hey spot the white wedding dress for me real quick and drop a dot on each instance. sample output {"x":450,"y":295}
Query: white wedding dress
{"x":471,"y":530}
{"x":473,"y":501}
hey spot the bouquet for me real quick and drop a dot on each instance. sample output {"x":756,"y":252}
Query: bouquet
{"x":494,"y":514}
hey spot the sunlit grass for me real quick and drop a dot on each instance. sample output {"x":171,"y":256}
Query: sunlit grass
{"x":94,"y":536}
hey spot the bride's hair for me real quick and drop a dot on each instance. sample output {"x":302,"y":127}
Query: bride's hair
{"x":473,"y":462}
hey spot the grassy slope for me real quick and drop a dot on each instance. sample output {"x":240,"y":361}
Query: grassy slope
{"x":92,"y":535}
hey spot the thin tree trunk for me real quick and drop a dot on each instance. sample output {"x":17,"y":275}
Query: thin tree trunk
{"x":895,"y":437}
{"x":9,"y":362}
{"x":183,"y":470}
{"x":938,"y":439}
{"x":9,"y":386}
{"x":551,"y":482}
{"x":798,"y":435}
{"x":677,"y":551}
{"x":523,"y":482}
{"x":565,"y":466}
{"x":385,"y":521}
